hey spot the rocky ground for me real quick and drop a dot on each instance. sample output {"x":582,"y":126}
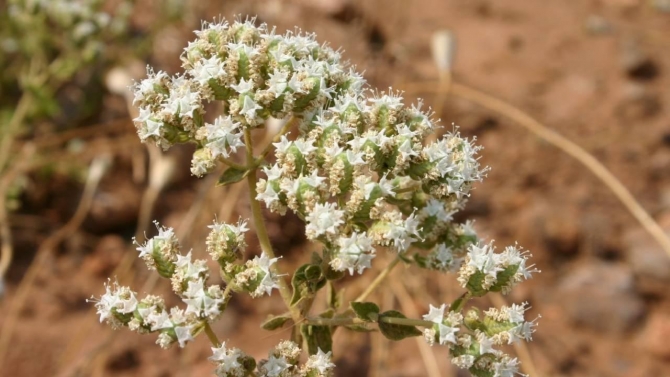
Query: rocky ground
{"x":595,"y":71}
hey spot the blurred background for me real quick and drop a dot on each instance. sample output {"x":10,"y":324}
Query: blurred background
{"x":77,"y":185}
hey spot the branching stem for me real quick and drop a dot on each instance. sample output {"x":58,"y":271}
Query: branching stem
{"x":211,"y":335}
{"x":378,"y":280}
{"x":261,"y":230}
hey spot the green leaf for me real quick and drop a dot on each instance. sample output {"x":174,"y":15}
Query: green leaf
{"x":275,"y":322}
{"x":396,"y":332}
{"x":367,"y":311}
{"x":307,"y":280}
{"x":232,"y":175}
{"x":317,"y":337}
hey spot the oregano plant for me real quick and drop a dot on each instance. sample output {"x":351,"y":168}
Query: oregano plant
{"x":354,"y":165}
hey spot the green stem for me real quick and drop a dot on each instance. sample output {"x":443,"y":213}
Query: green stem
{"x":233,"y":164}
{"x":406,"y":321}
{"x":13,"y":126}
{"x":212,"y":337}
{"x":378,"y":280}
{"x":347,"y":321}
{"x":458,"y":304}
{"x":261,"y":230}
{"x":287,"y":126}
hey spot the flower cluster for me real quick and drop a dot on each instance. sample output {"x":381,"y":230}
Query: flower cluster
{"x":119,"y":306}
{"x":282,"y":361}
{"x":358,"y":168}
{"x":472,"y":340}
{"x":484,"y":270}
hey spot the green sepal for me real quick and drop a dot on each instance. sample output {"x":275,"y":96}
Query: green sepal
{"x":298,"y":159}
{"x":317,"y":337}
{"x":420,"y":170}
{"x":123,"y":318}
{"x":276,"y":322}
{"x":393,"y":331}
{"x":221,"y":93}
{"x":474,"y":284}
{"x":363,"y":214}
{"x":301,"y":103}
{"x":485,"y":359}
{"x":348,"y":178}
{"x":243,"y":66}
{"x":248,"y":363}
{"x":367,"y":311}
{"x":504,"y":277}
{"x":232,"y":175}
{"x":164,"y":267}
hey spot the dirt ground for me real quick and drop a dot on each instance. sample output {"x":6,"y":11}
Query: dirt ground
{"x":597,"y":72}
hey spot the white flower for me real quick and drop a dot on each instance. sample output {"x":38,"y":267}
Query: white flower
{"x":506,"y":367}
{"x":435,"y":315}
{"x":183,"y":335}
{"x":224,"y":136}
{"x":321,"y":361}
{"x":447,"y":334}
{"x":270,"y":280}
{"x":485,"y":344}
{"x":207,"y":69}
{"x":243,"y":87}
{"x":159,"y":320}
{"x":277,"y":82}
{"x":269,"y":196}
{"x":274,"y":366}
{"x":324,"y":219}
{"x":355,"y":252}
{"x":484,"y":259}
{"x":282,"y":145}
{"x":249,"y":108}
{"x":227,"y":360}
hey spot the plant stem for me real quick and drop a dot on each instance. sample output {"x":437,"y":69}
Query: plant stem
{"x":378,"y":280}
{"x":346,"y":321}
{"x":210,"y":334}
{"x":406,"y":321}
{"x":13,"y":126}
{"x":287,"y":126}
{"x":232,"y":163}
{"x":261,"y":230}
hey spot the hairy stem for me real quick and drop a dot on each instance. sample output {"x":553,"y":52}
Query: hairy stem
{"x":211,"y":335}
{"x":261,"y":230}
{"x":346,"y":321}
{"x":378,"y":280}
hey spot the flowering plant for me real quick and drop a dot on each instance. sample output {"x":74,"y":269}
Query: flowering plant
{"x":358,"y":172}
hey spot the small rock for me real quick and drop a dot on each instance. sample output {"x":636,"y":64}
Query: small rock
{"x":637,"y":64}
{"x":650,"y":264}
{"x":597,"y":25}
{"x":661,"y":5}
{"x":601,"y":296}
{"x":654,"y":337}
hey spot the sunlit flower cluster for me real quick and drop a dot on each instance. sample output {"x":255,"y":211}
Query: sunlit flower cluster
{"x":119,"y":306}
{"x":356,"y":166}
{"x":473,"y":341}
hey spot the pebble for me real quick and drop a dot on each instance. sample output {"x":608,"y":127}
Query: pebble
{"x":650,"y":264}
{"x":601,"y":296}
